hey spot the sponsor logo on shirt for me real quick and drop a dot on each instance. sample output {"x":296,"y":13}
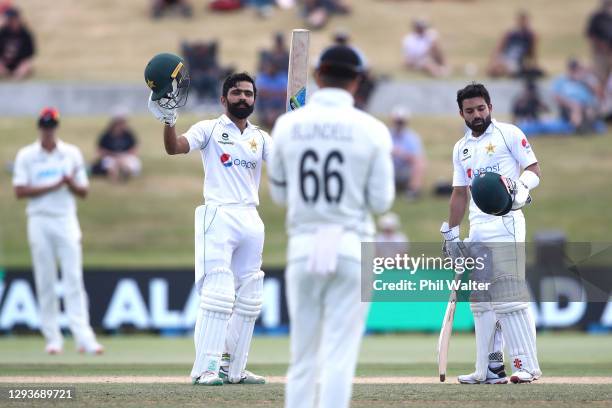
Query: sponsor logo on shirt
{"x":48,"y":173}
{"x":476,"y":172}
{"x":525,"y":144}
{"x":225,"y":139}
{"x":227,"y":161}
{"x":466,"y":154}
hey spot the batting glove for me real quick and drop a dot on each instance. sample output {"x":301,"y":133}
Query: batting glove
{"x":518,"y":191}
{"x":452,"y":247}
{"x":164,"y":115}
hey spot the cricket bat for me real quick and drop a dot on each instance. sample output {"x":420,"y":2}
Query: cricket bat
{"x":298,"y":69}
{"x":447,"y":329}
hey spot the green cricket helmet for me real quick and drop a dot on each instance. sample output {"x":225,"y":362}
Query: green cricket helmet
{"x":168,"y":78}
{"x":490,"y":193}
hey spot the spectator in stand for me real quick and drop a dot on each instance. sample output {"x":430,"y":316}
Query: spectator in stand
{"x":528,"y":106}
{"x":576,"y":94}
{"x":422,"y":50}
{"x":516,"y":53}
{"x":16,"y":47}
{"x":117,"y":151}
{"x":390,"y":240}
{"x":278,"y":54}
{"x":318,"y":12}
{"x":204,"y":70}
{"x":408,"y":155}
{"x":271,"y":93}
{"x":161,"y":7}
{"x":599,"y":33}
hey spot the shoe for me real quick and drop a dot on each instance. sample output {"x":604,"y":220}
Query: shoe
{"x":246,"y":378}
{"x":53,"y":349}
{"x":522,"y":377}
{"x":494,"y":376}
{"x":91,"y":348}
{"x":207,"y":378}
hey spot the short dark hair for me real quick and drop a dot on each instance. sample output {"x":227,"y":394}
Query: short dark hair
{"x":233,"y":79}
{"x":473,"y":90}
{"x":334,"y":81}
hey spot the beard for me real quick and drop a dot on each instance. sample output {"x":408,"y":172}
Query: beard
{"x":479,"y":125}
{"x":241,"y":110}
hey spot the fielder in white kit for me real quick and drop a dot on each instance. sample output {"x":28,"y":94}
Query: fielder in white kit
{"x":332,"y":166}
{"x":49,"y":173}
{"x":229,"y":234}
{"x":491,"y":146}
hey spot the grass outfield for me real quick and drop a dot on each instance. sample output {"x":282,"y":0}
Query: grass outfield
{"x":565,"y":357}
{"x":149,"y":221}
{"x":111,"y":40}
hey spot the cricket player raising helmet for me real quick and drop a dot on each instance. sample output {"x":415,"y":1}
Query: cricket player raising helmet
{"x":494,"y":147}
{"x":229,"y":234}
{"x":331,"y":165}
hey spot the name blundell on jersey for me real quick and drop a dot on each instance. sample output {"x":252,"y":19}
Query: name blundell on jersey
{"x":324,"y":131}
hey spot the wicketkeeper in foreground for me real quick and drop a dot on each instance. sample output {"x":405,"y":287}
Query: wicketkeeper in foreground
{"x":331,"y":165}
{"x":229,"y":234}
{"x":492,"y":154}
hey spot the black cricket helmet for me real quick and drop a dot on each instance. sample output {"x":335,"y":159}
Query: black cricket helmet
{"x":167,"y":76}
{"x":491,"y":194}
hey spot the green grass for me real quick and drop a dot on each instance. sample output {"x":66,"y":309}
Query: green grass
{"x":149,"y":221}
{"x":561,"y":354}
{"x":111,"y":40}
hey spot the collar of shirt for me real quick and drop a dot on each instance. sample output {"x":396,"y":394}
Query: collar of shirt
{"x":332,"y":97}
{"x":469,"y":136}
{"x":59,"y":145}
{"x":226,"y":121}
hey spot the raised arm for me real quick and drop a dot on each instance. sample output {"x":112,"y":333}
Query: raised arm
{"x":174,"y":144}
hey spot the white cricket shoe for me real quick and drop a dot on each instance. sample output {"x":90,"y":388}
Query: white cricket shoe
{"x":522,"y":377}
{"x":247,"y":377}
{"x":494,"y":376}
{"x":91,"y":348}
{"x":208,"y":378}
{"x":53,"y":349}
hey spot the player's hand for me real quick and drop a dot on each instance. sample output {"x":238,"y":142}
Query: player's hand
{"x":452,"y":247}
{"x":518,"y":191}
{"x":164,"y":115}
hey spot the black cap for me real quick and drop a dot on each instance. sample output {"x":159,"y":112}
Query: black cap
{"x":48,"y":118}
{"x":340,"y":61}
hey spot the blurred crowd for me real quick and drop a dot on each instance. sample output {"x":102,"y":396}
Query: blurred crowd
{"x":577,"y":101}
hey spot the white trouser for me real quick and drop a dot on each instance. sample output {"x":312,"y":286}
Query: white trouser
{"x":53,"y":239}
{"x":327,"y":323}
{"x":227,"y":239}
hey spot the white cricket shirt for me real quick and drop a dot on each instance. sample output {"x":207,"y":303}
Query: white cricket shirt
{"x":232,"y":160}
{"x":503,"y":148}
{"x":331,"y":163}
{"x":37,"y":167}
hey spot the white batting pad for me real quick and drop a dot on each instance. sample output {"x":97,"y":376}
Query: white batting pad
{"x":216,"y":303}
{"x":484,"y":328}
{"x":520,"y":335}
{"x":249,"y":299}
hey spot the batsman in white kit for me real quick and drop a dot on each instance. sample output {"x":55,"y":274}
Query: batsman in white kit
{"x":229,"y":234}
{"x":331,"y":165}
{"x":49,"y":173}
{"x":491,"y":150}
